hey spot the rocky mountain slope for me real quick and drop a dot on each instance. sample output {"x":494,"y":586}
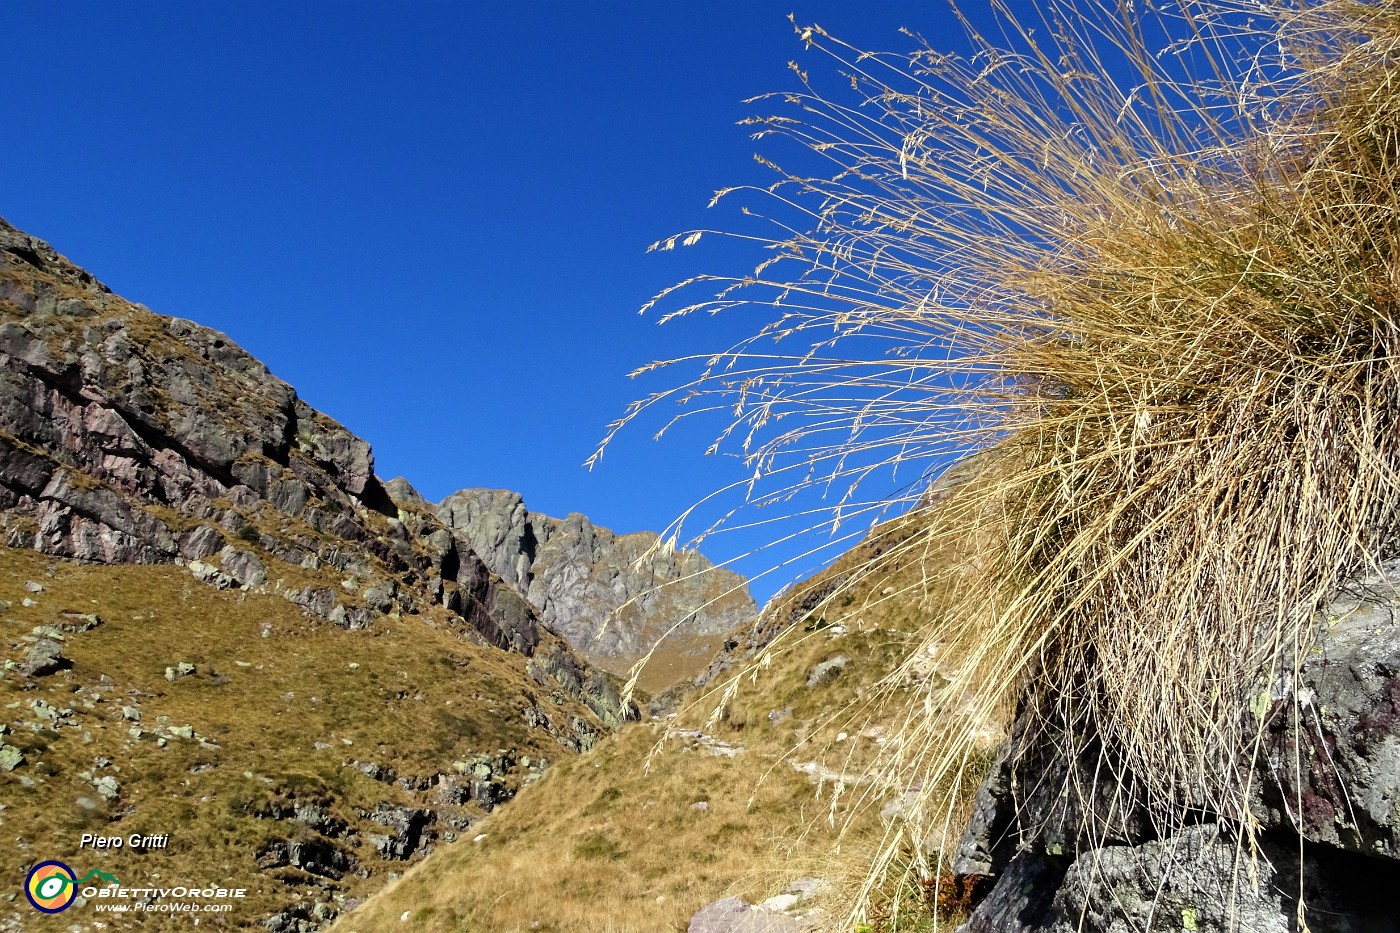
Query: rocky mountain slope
{"x":612,"y":597}
{"x":755,"y":806}
{"x":301,"y":761}
{"x":127,"y":437}
{"x":218,"y":623}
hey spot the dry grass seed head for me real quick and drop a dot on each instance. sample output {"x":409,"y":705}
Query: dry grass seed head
{"x":1169,"y":304}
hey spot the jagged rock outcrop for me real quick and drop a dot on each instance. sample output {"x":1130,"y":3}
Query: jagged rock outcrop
{"x":610,"y":596}
{"x":496,"y":525}
{"x":129,"y":437}
{"x":1326,"y":798}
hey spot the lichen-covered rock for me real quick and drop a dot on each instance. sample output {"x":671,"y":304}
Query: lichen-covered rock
{"x":732,"y":915}
{"x":1201,"y":879}
{"x":1326,"y":800}
{"x":45,"y":657}
{"x":826,"y":671}
{"x":789,"y":912}
{"x":1333,"y":759}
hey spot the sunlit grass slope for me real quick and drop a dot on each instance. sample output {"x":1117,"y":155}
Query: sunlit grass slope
{"x":284,"y":711}
{"x":767,"y":776}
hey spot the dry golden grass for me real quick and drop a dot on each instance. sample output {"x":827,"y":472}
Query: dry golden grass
{"x":1147,"y":254}
{"x":287,"y":713}
{"x":594,"y":844}
{"x":598,"y":844}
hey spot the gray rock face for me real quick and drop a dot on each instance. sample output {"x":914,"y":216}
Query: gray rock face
{"x":404,"y":830}
{"x":789,"y":912}
{"x":610,"y":596}
{"x":733,"y":915}
{"x":128,"y":437}
{"x":110,"y":414}
{"x":1327,"y":801}
{"x":1333,"y":761}
{"x":496,"y":526}
{"x":1201,"y":879}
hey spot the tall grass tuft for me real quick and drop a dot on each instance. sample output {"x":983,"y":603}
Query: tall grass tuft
{"x":1148,"y":257}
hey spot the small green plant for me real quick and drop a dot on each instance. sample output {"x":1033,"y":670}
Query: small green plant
{"x":597,"y":846}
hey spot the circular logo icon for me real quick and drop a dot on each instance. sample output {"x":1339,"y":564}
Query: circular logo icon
{"x":51,"y":887}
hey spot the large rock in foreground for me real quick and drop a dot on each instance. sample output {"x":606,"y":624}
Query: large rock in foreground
{"x":1326,"y":795}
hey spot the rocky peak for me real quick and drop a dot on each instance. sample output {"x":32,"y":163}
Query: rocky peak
{"x":611,"y":596}
{"x":496,"y":525}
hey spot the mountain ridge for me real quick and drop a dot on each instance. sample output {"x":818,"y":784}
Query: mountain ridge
{"x":168,"y":504}
{"x":577,"y":574}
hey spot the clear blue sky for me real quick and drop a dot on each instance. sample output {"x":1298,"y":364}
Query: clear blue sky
{"x":428,"y":217}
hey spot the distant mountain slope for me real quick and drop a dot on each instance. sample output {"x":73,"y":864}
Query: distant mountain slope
{"x":612,"y":597}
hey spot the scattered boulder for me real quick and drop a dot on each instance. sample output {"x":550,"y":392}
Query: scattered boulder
{"x":374,"y":771}
{"x":789,"y":912}
{"x":827,"y":671}
{"x":316,"y":856}
{"x":297,"y":918}
{"x":48,"y":713}
{"x":78,"y":622}
{"x":45,"y":657}
{"x":317,"y":818}
{"x":244,"y":567}
{"x":405,"y":836}
{"x":182,"y":669}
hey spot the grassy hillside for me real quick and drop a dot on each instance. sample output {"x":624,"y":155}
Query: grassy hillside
{"x":768,"y":775}
{"x":289,"y":732}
